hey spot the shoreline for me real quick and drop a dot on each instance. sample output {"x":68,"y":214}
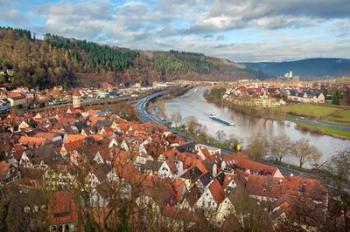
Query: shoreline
{"x":275,"y":115}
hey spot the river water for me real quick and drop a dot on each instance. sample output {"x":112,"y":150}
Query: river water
{"x":194,"y":104}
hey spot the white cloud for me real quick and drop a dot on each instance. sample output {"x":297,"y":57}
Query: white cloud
{"x":196,"y":25}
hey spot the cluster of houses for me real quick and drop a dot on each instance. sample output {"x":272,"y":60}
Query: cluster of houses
{"x":267,"y":97}
{"x":103,"y":157}
{"x":306,"y":96}
{"x":23,"y":97}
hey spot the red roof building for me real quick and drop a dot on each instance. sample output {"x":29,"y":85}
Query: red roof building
{"x":62,"y":212}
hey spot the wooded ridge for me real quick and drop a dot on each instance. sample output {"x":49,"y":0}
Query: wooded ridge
{"x":56,"y":60}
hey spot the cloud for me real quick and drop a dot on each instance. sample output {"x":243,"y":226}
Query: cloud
{"x":290,"y":49}
{"x":222,"y":15}
{"x":10,"y":13}
{"x":342,"y":28}
{"x":206,"y":26}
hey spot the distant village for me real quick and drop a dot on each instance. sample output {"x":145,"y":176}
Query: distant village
{"x":268,"y":94}
{"x":89,"y":161}
{"x":24,"y":98}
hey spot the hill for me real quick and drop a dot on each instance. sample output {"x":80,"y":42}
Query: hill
{"x":316,"y":68}
{"x":56,"y":60}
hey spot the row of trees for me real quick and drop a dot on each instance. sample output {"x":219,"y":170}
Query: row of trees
{"x":280,"y":146}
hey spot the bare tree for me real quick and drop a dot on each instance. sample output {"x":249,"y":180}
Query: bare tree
{"x":258,"y":146}
{"x":231,"y":142}
{"x":176,"y":118}
{"x":220,"y":135}
{"x":280,"y":146}
{"x":193,"y":126}
{"x":248,"y":214}
{"x":305,"y":152}
{"x":337,"y":174}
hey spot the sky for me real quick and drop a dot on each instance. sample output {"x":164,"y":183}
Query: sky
{"x":239,"y":30}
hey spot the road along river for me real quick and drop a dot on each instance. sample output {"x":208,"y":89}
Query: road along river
{"x":194,"y":104}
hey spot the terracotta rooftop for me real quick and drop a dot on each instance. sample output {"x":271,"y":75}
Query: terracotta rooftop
{"x":243,"y":162}
{"x":217,"y":191}
{"x":4,"y":167}
{"x":76,"y":93}
{"x":62,"y":209}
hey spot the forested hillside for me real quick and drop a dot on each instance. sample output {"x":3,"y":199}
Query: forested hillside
{"x":56,"y":60}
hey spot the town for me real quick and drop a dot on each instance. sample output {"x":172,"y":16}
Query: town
{"x":179,"y":116}
{"x":67,"y":168}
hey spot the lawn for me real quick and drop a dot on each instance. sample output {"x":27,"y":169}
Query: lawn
{"x":337,"y":133}
{"x":341,"y":117}
{"x":325,"y":130}
{"x":310,"y":110}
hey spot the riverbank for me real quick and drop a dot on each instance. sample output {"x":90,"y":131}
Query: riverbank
{"x":320,"y":120}
{"x":196,"y":132}
{"x":157,"y":105}
{"x":326,"y":113}
{"x":324,"y":131}
{"x":203,"y":138}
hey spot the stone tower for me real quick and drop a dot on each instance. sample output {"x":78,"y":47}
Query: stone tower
{"x":76,"y":99}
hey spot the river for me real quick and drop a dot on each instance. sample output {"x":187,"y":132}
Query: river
{"x":194,"y":104}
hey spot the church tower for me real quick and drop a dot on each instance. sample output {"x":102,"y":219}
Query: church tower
{"x":76,"y":99}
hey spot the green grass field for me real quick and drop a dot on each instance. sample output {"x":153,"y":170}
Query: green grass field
{"x":337,"y":133}
{"x":341,"y":117}
{"x":309,"y":110}
{"x":325,"y":131}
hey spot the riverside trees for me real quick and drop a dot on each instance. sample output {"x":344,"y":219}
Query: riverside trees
{"x":305,"y":152}
{"x":280,"y":146}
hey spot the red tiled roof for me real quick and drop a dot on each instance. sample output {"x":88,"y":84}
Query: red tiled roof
{"x":46,"y":135}
{"x":294,"y":186}
{"x":179,"y":186}
{"x":26,"y":140}
{"x":76,"y":93}
{"x":217,"y":191}
{"x":97,"y":138}
{"x":15,"y":95}
{"x":62,"y":209}
{"x":73,"y":145}
{"x":73,"y":137}
{"x":242,"y":161}
{"x":4,"y":167}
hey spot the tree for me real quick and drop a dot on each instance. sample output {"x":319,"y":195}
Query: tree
{"x":192,"y":124}
{"x":220,"y":135}
{"x":337,"y":174}
{"x":258,"y":146}
{"x":176,"y":118}
{"x":336,"y":98}
{"x":248,"y":214}
{"x":280,"y":146}
{"x":231,"y":142}
{"x":347,"y":95}
{"x":305,"y":152}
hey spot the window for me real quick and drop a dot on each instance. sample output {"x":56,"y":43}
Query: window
{"x":27,"y":209}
